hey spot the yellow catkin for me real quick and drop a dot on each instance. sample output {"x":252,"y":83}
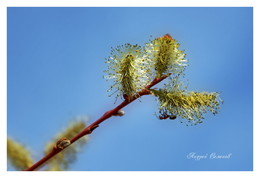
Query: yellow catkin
{"x":128,"y":69}
{"x":166,"y":56}
{"x":128,"y":74}
{"x":18,"y":155}
{"x":188,"y":105}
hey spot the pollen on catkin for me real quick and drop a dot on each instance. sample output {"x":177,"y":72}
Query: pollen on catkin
{"x":128,"y":69}
{"x":166,"y":57}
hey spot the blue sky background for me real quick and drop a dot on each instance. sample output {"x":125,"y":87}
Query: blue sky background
{"x":55,"y":68}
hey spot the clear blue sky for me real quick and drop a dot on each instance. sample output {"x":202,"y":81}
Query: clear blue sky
{"x":55,"y":68}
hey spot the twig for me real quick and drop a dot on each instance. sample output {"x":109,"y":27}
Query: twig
{"x":88,"y":130}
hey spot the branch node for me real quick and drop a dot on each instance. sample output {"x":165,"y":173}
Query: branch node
{"x":90,"y":130}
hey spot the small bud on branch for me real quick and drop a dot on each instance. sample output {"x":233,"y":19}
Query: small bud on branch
{"x":62,"y":143}
{"x":119,"y":113}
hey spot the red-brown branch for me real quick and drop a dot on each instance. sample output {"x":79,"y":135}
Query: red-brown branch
{"x":94,"y":125}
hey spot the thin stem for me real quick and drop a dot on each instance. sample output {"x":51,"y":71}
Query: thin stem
{"x":88,"y":130}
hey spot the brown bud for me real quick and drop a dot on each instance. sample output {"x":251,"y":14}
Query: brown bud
{"x":62,"y":143}
{"x":168,"y":36}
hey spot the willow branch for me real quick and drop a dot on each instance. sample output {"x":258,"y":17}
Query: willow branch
{"x":64,"y":143}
